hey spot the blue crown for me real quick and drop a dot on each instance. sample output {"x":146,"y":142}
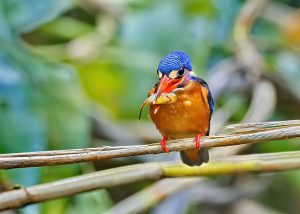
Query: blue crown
{"x":175,"y":61}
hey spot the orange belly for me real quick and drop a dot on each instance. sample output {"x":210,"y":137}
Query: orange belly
{"x":188,"y":116}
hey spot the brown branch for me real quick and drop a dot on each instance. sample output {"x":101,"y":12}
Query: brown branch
{"x":262,"y":125}
{"x":33,"y":159}
{"x":151,"y":171}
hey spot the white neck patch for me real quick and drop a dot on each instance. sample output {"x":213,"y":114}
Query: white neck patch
{"x":192,"y":73}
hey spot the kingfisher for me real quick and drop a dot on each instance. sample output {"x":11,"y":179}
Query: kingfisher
{"x":181,"y":106}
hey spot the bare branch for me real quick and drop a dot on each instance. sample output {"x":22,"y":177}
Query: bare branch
{"x":263,"y":125}
{"x":33,"y":159}
{"x":150,"y":171}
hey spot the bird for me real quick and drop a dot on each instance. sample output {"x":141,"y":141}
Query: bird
{"x":187,"y":116}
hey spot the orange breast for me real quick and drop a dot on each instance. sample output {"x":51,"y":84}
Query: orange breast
{"x":187,"y":117}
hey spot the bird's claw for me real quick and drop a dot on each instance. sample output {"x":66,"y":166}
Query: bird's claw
{"x":198,"y":142}
{"x":163,"y":144}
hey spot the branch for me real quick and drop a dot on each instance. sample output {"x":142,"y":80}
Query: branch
{"x":152,"y":171}
{"x":262,"y":125}
{"x":47,"y":158}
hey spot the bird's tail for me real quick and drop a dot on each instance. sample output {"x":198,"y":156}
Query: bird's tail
{"x":193,"y":157}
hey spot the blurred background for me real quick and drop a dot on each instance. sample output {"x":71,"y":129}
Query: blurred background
{"x":74,"y":74}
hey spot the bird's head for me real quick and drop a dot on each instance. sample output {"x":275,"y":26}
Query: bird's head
{"x":174,"y":71}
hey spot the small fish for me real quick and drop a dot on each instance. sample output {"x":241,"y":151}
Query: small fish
{"x":164,"y":98}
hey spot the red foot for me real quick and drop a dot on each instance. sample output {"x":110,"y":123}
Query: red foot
{"x":197,"y":141}
{"x":164,"y":145}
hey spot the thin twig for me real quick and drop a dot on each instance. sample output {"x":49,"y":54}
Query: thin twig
{"x":94,"y":154}
{"x":263,"y":125}
{"x":150,"y":171}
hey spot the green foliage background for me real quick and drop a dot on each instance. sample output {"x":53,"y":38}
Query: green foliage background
{"x":57,"y":57}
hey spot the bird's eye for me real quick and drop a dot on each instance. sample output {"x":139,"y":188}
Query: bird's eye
{"x":181,"y":72}
{"x":160,"y":75}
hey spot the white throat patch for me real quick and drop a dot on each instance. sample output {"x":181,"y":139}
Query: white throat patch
{"x":192,"y":73}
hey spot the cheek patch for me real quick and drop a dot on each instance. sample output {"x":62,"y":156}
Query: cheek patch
{"x":192,"y":73}
{"x":173,"y":74}
{"x":160,"y":75}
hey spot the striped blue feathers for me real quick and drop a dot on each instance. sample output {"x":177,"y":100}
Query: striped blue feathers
{"x":175,"y":60}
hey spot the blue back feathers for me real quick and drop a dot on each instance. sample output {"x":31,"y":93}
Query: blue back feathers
{"x":175,"y":61}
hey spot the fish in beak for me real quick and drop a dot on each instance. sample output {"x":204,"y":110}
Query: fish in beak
{"x":165,"y":85}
